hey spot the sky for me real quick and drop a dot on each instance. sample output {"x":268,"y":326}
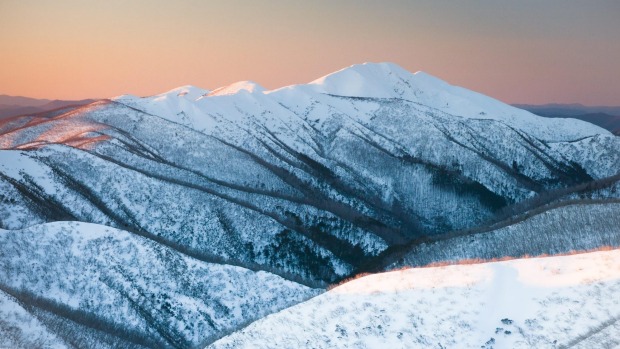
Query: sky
{"x":526,"y":51}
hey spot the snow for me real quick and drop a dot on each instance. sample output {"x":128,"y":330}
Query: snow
{"x":247,"y":86}
{"x":388,"y":80}
{"x":574,"y":227}
{"x":20,"y":329}
{"x":186,"y":92}
{"x":380,"y":80}
{"x":538,"y":302}
{"x":104,"y":271}
{"x":17,"y":164}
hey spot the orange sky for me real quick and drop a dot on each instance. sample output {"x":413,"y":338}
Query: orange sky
{"x":518,"y":51}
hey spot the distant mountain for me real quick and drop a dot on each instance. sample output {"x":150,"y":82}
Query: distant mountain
{"x":606,"y":117}
{"x":18,"y":101}
{"x":569,"y":109}
{"x":13,"y":105}
{"x":307,"y":184}
{"x":554,"y":302}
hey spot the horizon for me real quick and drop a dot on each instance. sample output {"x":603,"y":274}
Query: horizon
{"x":567,"y":104}
{"x":524,"y":53}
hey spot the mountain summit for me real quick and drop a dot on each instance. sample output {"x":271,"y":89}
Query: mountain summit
{"x":375,"y":80}
{"x":248,"y":86}
{"x":379,"y":81}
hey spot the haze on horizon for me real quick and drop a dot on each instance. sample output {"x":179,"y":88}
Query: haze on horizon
{"x":519,"y":52}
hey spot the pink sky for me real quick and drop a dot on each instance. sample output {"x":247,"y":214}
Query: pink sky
{"x":519,"y":52}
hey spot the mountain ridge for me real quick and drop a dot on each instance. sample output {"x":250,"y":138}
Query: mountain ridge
{"x":388,"y":80}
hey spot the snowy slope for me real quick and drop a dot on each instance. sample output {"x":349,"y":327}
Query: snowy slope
{"x":21,"y":329}
{"x":53,"y":274}
{"x":388,"y":80}
{"x":575,"y":227}
{"x":530,"y":303}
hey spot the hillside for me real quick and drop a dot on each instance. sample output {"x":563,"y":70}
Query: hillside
{"x":71,"y":284}
{"x":554,"y":302}
{"x":572,"y":227}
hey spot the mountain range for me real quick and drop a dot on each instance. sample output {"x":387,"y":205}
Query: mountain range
{"x":11,"y":106}
{"x":176,"y":219}
{"x":606,"y":117}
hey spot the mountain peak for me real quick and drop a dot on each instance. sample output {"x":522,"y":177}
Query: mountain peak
{"x":186,"y":91}
{"x":376,"y":80}
{"x":234,"y":88}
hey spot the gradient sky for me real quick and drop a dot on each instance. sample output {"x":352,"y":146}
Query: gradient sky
{"x":527,"y":51}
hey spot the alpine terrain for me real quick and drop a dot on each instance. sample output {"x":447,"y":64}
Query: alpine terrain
{"x":555,"y":302}
{"x":175,"y":220}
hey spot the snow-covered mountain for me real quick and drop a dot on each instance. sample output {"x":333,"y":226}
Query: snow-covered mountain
{"x":307,"y":180}
{"x":375,"y":81}
{"x":308,"y":183}
{"x":554,"y":302}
